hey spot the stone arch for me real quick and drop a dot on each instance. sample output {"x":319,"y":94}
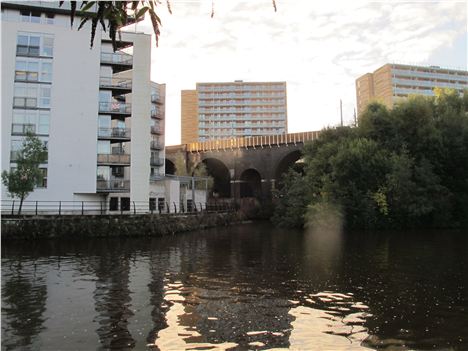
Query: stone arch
{"x":170,"y":167}
{"x":221,"y":177}
{"x":251,"y":183}
{"x":288,"y":161}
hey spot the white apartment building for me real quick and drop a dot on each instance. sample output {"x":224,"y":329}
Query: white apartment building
{"x":97,"y":111}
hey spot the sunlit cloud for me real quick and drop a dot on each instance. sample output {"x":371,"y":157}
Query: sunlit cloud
{"x":318,"y":47}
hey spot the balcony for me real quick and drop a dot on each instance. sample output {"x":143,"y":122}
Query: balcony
{"x":156,"y":145}
{"x":117,"y":85}
{"x":120,"y":134}
{"x":156,"y":114}
{"x":157,"y":161}
{"x":114,"y":159}
{"x":116,"y":185}
{"x":115,"y":108}
{"x":156,"y":130}
{"x":156,"y":176}
{"x":118,"y":60}
{"x":156,"y":98}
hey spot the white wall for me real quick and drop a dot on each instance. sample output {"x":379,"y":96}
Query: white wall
{"x":74,"y":106}
{"x":141,"y":107}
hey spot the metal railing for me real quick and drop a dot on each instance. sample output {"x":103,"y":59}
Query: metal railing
{"x":62,"y":208}
{"x":117,"y":58}
{"x":253,"y":142}
{"x":156,"y":161}
{"x":112,"y":82}
{"x":115,"y":107}
{"x":156,"y":130}
{"x":113,"y":159}
{"x":115,"y":185}
{"x":156,"y":145}
{"x":156,"y":98}
{"x":117,"y":133}
{"x":156,"y":114}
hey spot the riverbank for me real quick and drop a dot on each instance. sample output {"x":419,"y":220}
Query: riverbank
{"x":46,"y":227}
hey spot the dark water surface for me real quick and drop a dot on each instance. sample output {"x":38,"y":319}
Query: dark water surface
{"x":246,"y":287}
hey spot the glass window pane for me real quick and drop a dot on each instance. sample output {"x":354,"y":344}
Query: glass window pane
{"x":103,"y":147}
{"x":22,"y":40}
{"x":21,"y":65}
{"x":33,"y":66}
{"x":34,"y":41}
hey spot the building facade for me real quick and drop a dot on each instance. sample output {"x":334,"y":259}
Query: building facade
{"x":233,"y":109}
{"x":96,"y":110}
{"x":394,"y":82}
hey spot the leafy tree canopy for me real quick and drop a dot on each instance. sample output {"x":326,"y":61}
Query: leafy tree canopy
{"x":20,"y":181}
{"x":404,"y":167}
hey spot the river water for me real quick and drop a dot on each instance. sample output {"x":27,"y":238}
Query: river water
{"x":247,"y":287}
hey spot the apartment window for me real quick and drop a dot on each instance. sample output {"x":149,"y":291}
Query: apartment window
{"x":118,"y":172}
{"x":49,"y":18}
{"x":28,"y":45}
{"x":31,"y":96}
{"x":34,"y":45}
{"x":42,"y":180}
{"x":103,"y":147}
{"x":125,"y":203}
{"x":30,"y":16}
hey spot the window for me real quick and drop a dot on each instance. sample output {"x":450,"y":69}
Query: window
{"x":118,"y":172}
{"x":103,"y":147}
{"x":42,"y":180}
{"x":31,"y":96}
{"x":30,"y":70}
{"x":30,"y":45}
{"x":49,"y":18}
{"x":32,"y":121}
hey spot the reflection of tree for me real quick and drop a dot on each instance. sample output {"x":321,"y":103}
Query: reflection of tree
{"x":156,"y":288}
{"x":112,"y":301}
{"x":24,"y":298}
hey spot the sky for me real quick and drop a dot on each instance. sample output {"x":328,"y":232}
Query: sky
{"x":318,"y":47}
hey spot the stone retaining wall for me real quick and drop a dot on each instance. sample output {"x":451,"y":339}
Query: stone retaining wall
{"x":25,"y":228}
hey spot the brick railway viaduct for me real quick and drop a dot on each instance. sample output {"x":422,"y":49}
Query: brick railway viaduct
{"x":242,"y":167}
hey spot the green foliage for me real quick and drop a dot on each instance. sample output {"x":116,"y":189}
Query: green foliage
{"x":21,"y":180}
{"x":405,"y":167}
{"x":291,"y":201}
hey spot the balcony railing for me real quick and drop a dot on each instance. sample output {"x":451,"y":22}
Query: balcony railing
{"x":156,"y":98}
{"x":116,"y":58}
{"x":156,"y":145}
{"x":156,"y":161}
{"x":115,"y":107}
{"x":113,"y":159}
{"x":114,"y":133}
{"x":116,"y":185}
{"x":156,"y":114}
{"x":155,"y":130}
{"x":118,"y":83}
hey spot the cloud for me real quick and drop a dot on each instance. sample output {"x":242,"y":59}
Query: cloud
{"x":318,"y":47}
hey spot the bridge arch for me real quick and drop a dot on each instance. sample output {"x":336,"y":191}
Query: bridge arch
{"x":169,"y":167}
{"x":250,"y":183}
{"x":288,"y":161}
{"x":221,"y":176}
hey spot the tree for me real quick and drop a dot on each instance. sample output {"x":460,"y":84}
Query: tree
{"x":117,"y":14}
{"x":20,"y":181}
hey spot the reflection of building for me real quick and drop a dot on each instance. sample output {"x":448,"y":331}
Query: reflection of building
{"x":233,"y":109}
{"x":96,"y":110}
{"x":393,"y":82}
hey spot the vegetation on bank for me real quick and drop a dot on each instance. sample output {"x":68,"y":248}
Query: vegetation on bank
{"x":400,"y":168}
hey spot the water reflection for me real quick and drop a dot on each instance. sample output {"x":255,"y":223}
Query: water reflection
{"x":249,"y":287}
{"x":24,"y":294}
